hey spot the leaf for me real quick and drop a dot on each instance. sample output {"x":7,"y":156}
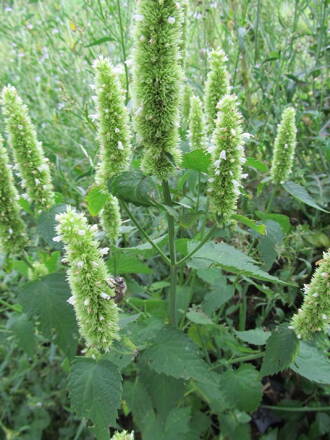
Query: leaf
{"x":174,"y":354}
{"x":95,"y":391}
{"x":255,"y":336}
{"x":256,"y":164}
{"x":242,"y":387}
{"x":198,"y":317}
{"x":46,"y":225}
{"x":281,"y":349}
{"x":282,"y":220}
{"x":46,"y":300}
{"x":267,"y":244}
{"x":252,"y":224}
{"x":312,"y":364}
{"x":96,"y":199}
{"x":230,"y":259}
{"x":300,"y":193}
{"x":120,"y":264}
{"x":134,"y":187}
{"x":100,"y":41}
{"x":218,"y":296}
{"x":198,"y":160}
{"x":23,"y":330}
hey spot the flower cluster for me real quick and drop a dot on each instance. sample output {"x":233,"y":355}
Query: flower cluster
{"x":284,"y":147}
{"x":12,"y":229}
{"x":157,"y":74}
{"x":314,"y":315}
{"x":92,"y":296}
{"x":185,"y":105}
{"x":114,"y":139}
{"x":28,"y":153}
{"x":217,"y":86}
{"x":196,"y":124}
{"x":227,"y":159}
{"x":124,"y":435}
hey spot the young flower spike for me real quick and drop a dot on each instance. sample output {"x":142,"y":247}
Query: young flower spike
{"x":92,"y":296}
{"x":157,"y":77}
{"x":217,"y":86}
{"x":227,"y":159}
{"x":196,"y":124}
{"x":284,"y":147}
{"x":114,"y":139}
{"x":124,"y":435}
{"x":28,"y":153}
{"x":314,"y":315}
{"x":12,"y":229}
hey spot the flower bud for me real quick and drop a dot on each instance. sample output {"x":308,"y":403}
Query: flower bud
{"x":196,"y":124}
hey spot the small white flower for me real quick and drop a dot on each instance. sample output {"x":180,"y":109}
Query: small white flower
{"x":242,"y":159}
{"x":29,"y":26}
{"x":325,"y":275}
{"x":94,"y":116}
{"x":171,"y":20}
{"x":95,"y":263}
{"x":315,"y":295}
{"x":104,"y":251}
{"x":142,"y":38}
{"x":101,"y":318}
{"x":211,"y":179}
{"x":71,"y":300}
{"x":120,"y":145}
{"x":81,"y":232}
{"x":223,"y":155}
{"x":217,"y":173}
{"x":138,"y":17}
{"x":324,"y":316}
{"x":86,"y":302}
{"x":117,"y":130}
{"x":290,"y":327}
{"x":246,"y":136}
{"x":94,"y":228}
{"x":105,"y":295}
{"x":55,"y":31}
{"x":80,"y":264}
{"x":245,"y":175}
{"x":57,"y":238}
{"x":217,"y":163}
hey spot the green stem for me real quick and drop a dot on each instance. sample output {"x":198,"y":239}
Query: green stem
{"x":145,"y":235}
{"x":204,"y":240}
{"x":297,"y":409}
{"x":249,"y":357}
{"x":173,"y":266}
{"x":256,"y":33}
{"x":271,"y":199}
{"x":123,"y":48}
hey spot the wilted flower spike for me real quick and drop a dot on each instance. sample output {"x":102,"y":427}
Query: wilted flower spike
{"x":217,"y":86}
{"x":157,"y":74}
{"x":284,"y":147}
{"x":124,"y":435}
{"x":28,"y":153}
{"x":97,"y":317}
{"x":227,"y":157}
{"x":196,"y":124}
{"x":12,"y":229}
{"x":314,"y":315}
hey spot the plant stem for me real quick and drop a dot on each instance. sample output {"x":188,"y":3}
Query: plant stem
{"x":248,"y":357}
{"x":297,"y":409}
{"x":256,"y":33}
{"x":123,"y":48}
{"x":204,"y":240}
{"x":173,"y":265}
{"x":145,"y":235}
{"x":271,"y":199}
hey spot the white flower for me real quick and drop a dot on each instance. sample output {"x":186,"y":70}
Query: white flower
{"x":324,"y":316}
{"x":57,"y":238}
{"x":171,"y":20}
{"x":101,"y":318}
{"x":94,"y":228}
{"x":120,"y":145}
{"x":223,"y":154}
{"x":80,"y":264}
{"x":105,"y":295}
{"x":242,"y":159}
{"x":217,"y":163}
{"x":138,"y":17}
{"x":246,"y":136}
{"x":325,"y":275}
{"x":104,"y":251}
{"x":117,"y":130}
{"x":86,"y":302}
{"x":94,"y":116}
{"x":81,"y":232}
{"x":244,"y":175}
{"x":71,"y":300}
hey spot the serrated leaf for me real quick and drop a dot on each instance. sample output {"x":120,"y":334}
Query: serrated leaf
{"x":301,"y":194}
{"x":229,"y":259}
{"x":23,"y":330}
{"x":281,"y":219}
{"x":46,"y":300}
{"x":174,"y":354}
{"x":96,"y":199}
{"x":312,"y":364}
{"x":46,"y":225}
{"x":198,"y":317}
{"x":257,"y":336}
{"x":281,"y":349}
{"x":95,"y":391}
{"x":242,"y":387}
{"x":252,"y":224}
{"x":256,"y":164}
{"x":120,"y":264}
{"x":134,"y":187}
{"x":198,"y":160}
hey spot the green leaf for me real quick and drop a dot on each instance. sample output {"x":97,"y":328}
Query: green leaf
{"x":252,"y":224}
{"x":301,"y":194}
{"x":267,"y":244}
{"x":134,"y":187}
{"x":46,"y":301}
{"x":96,"y":199}
{"x":218,"y":296}
{"x":174,"y":354}
{"x":23,"y":330}
{"x":198,"y":160}
{"x":100,"y":41}
{"x":256,"y":336}
{"x":281,"y":349}
{"x":198,"y":317}
{"x":229,"y":259}
{"x":120,"y":264}
{"x":282,"y":220}
{"x":95,"y":391}
{"x":256,"y":164}
{"x":242,"y":387}
{"x":46,"y":225}
{"x":312,"y":364}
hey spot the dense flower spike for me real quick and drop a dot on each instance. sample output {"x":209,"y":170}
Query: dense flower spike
{"x":186,"y":98}
{"x":314,"y":315}
{"x":157,"y":76}
{"x":227,"y":159}
{"x":28,"y":153}
{"x":284,"y":147}
{"x":96,"y":312}
{"x":124,"y":435}
{"x":114,"y":139}
{"x":196,"y":124}
{"x":217,"y":86}
{"x":12,"y":228}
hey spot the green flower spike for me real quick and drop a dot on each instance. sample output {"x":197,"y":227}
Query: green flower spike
{"x":217,"y":86}
{"x":114,"y":139}
{"x":157,"y":76}
{"x":227,"y":159}
{"x":284,"y":147}
{"x":96,"y":312}
{"x":28,"y":153}
{"x":12,"y":229}
{"x":314,"y":315}
{"x":196,"y":124}
{"x":124,"y":435}
{"x":185,"y":106}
